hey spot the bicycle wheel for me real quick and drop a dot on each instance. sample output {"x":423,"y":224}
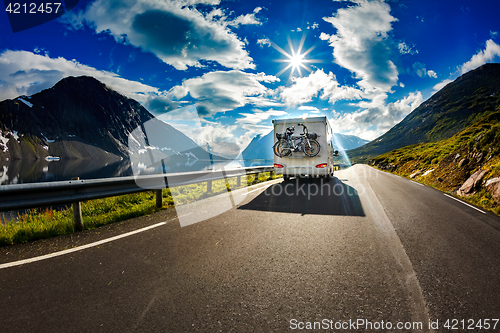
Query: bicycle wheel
{"x":281,"y":148}
{"x":311,"y":149}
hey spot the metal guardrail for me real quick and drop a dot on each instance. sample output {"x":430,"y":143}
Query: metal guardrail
{"x":23,"y":196}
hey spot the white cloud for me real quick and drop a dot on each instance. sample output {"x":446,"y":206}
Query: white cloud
{"x":441,"y":85}
{"x":247,"y":19}
{"x":257,"y":122}
{"x":491,"y":52}
{"x":376,"y":118}
{"x":264,"y":41}
{"x":420,"y":70}
{"x":223,"y":91}
{"x":493,"y":34}
{"x":308,"y":108}
{"x":405,"y":49}
{"x":258,"y":116}
{"x":216,"y":13}
{"x":313,"y":26}
{"x":205,"y":2}
{"x":177,"y":34}
{"x":317,"y":83}
{"x":26,"y":73}
{"x":220,"y":137}
{"x":361,"y":43}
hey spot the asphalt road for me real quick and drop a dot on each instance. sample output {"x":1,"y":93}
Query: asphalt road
{"x":366,"y":246}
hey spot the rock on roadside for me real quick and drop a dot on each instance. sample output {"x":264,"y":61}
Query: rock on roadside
{"x":415,"y":174}
{"x":472,"y":184}
{"x":493,"y":186}
{"x":462,"y":162}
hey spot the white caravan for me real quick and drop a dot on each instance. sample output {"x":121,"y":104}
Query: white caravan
{"x":296,"y":144}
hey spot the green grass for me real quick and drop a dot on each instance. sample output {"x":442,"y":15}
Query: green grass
{"x":38,"y":224}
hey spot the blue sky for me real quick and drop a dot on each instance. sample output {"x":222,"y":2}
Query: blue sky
{"x":220,"y":71}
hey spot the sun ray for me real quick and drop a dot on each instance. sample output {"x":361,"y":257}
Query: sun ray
{"x":298,"y":70}
{"x":306,"y":68}
{"x":290,"y":45}
{"x":309,"y":50}
{"x":280,"y":50}
{"x":301,"y":44}
{"x":284,"y":70}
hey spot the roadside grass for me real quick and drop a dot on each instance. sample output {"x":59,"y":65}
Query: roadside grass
{"x":44,"y":223}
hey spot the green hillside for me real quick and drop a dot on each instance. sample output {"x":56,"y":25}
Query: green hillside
{"x":449,"y":111}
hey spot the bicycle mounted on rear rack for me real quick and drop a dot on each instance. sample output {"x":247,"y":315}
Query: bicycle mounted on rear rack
{"x":304,"y":142}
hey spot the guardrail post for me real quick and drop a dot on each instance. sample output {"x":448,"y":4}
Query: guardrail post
{"x":238,"y":181}
{"x":159,"y":198}
{"x":271,"y":174}
{"x":209,"y":186}
{"x":256,"y":178}
{"x":77,"y":212}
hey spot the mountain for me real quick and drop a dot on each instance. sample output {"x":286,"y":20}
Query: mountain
{"x":346,"y":142}
{"x":452,"y":109}
{"x":82,"y":118}
{"x":260,"y":148}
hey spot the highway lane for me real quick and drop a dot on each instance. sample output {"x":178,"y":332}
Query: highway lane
{"x":370,"y":246}
{"x":455,"y":249}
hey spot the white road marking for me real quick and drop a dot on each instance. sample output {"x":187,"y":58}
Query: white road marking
{"x":417,"y":183}
{"x":449,"y":196}
{"x":79,"y":248}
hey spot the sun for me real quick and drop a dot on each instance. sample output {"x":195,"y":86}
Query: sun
{"x":296,"y":59}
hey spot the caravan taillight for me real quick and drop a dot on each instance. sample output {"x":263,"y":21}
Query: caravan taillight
{"x":276,"y":165}
{"x":322,"y":165}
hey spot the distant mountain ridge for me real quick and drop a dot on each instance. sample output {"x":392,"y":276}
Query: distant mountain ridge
{"x":260,"y":148}
{"x":455,"y":107}
{"x":82,"y":118}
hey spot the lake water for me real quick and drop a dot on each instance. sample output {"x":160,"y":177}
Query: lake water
{"x":20,"y":171}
